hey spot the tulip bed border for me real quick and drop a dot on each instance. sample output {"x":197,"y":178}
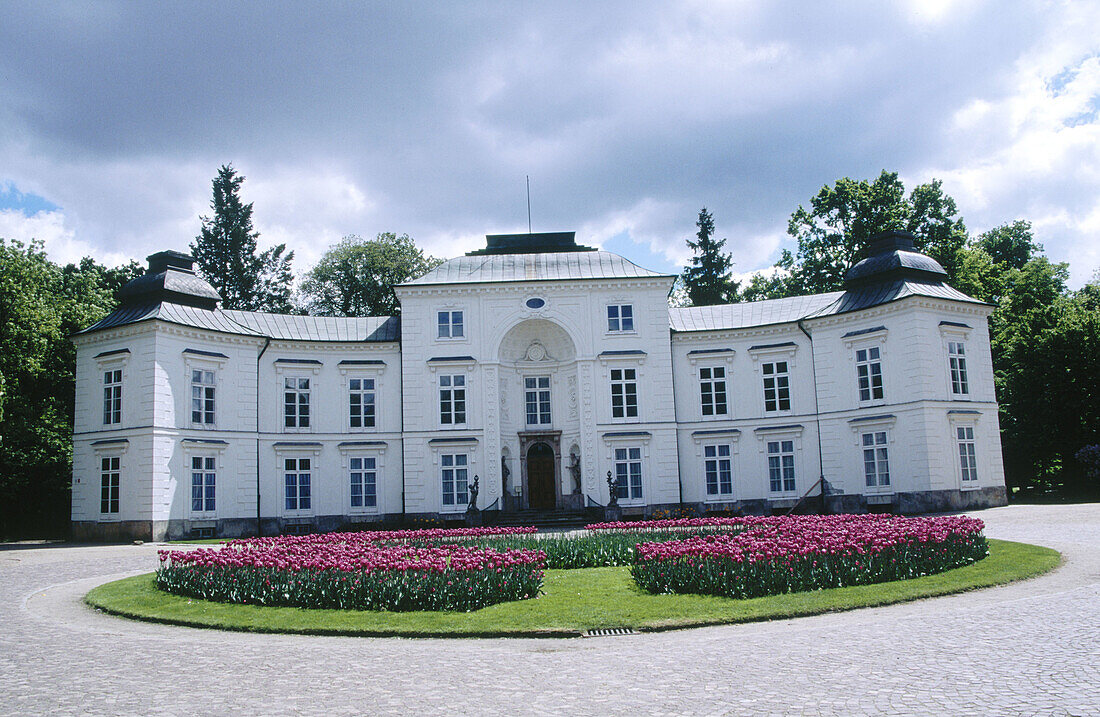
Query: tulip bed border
{"x":574,"y":601}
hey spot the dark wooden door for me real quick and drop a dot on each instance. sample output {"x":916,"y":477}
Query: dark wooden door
{"x":540,"y":477}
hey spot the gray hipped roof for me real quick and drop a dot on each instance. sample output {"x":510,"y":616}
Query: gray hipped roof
{"x":753,"y":313}
{"x":554,"y":266}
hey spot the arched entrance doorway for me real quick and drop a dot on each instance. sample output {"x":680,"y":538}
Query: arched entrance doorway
{"x":542,"y":493}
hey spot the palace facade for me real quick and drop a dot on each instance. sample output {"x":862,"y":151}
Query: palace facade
{"x":534,"y":368}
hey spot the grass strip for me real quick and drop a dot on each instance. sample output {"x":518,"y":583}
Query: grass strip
{"x":573,"y":601}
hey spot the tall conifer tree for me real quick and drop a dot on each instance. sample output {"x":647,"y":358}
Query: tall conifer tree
{"x":226,"y":253}
{"x":708,"y":280}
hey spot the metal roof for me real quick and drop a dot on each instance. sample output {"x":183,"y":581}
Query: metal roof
{"x":557,"y":266}
{"x":752,"y":313}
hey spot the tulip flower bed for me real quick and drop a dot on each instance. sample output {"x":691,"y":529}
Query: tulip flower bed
{"x":796,"y":553}
{"x":358,"y":571}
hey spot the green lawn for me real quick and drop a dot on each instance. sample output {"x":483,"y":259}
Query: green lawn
{"x":573,"y":601}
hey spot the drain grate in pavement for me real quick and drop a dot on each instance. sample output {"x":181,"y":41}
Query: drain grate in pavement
{"x":604,"y":632}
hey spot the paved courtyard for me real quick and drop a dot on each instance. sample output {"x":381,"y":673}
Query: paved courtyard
{"x":1028,"y":648}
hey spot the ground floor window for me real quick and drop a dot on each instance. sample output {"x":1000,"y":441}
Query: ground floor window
{"x":968,"y":459}
{"x":781,"y":466}
{"x":109,"y":484}
{"x":876,"y":464}
{"x":454,"y":476}
{"x":363,"y":482}
{"x":719,"y":470}
{"x":203,"y":478}
{"x":296,"y":473}
{"x":628,"y":473}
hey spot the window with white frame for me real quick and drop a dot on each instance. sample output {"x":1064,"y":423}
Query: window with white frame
{"x":624,"y":393}
{"x":297,"y":479}
{"x":620,"y":317}
{"x":452,"y":399}
{"x":956,"y":358}
{"x":203,"y":386}
{"x":781,"y":466}
{"x":777,"y":386}
{"x":968,"y":455}
{"x":450,"y":325}
{"x":876,"y":459}
{"x":296,"y":402}
{"x":628,"y":473}
{"x":869,"y":373}
{"x":712,"y":389}
{"x":361,"y":402}
{"x":537,"y":400}
{"x":718,"y":468}
{"x":454,"y":479}
{"x":203,"y":484}
{"x":363,"y":477}
{"x":109,"y":472}
{"x":112,"y":397}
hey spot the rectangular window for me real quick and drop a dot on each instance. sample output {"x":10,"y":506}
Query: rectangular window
{"x":450,"y":325}
{"x":712,"y":387}
{"x":112,"y":397}
{"x":620,"y":317}
{"x":452,"y":399}
{"x":203,"y":478}
{"x":628,"y":473}
{"x":297,"y":476}
{"x":108,"y":484}
{"x":781,"y":466}
{"x":968,"y":459}
{"x":296,"y":402}
{"x":876,"y":463}
{"x":537,"y":399}
{"x":624,"y":392}
{"x":454,"y":477}
{"x":869,"y":374}
{"x":777,"y":386}
{"x":956,"y":352}
{"x":719,"y":470}
{"x":202,"y":397}
{"x":364,"y":482}
{"x":361,"y":402}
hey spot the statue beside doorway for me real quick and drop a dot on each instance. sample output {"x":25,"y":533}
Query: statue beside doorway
{"x":575,"y":472}
{"x":473,"y":515}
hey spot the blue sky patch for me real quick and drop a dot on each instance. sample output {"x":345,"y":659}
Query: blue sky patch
{"x":28,"y":204}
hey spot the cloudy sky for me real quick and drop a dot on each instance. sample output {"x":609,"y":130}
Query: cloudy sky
{"x":425,"y":118}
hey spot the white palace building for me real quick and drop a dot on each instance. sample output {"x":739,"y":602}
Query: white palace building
{"x":539,"y":366}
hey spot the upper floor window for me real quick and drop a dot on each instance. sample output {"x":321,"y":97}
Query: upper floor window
{"x":361,"y":402}
{"x":203,"y":480}
{"x":777,"y":386}
{"x":364,"y":481}
{"x":297,"y":478}
{"x":202,"y":396}
{"x":956,"y":353}
{"x":968,"y":459}
{"x":624,"y":392}
{"x":719,"y":470}
{"x":452,"y":399}
{"x":454,"y":477}
{"x":876,"y":459}
{"x":712,"y":387}
{"x":620,"y":317}
{"x":296,"y":402}
{"x":781,"y":466}
{"x":450,"y":325}
{"x":628,"y":473}
{"x":869,"y":373}
{"x":537,"y":399}
{"x":112,"y":397}
{"x":109,"y":484}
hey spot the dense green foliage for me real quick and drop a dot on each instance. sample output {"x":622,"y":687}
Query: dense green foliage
{"x":41,"y":305}
{"x":708,"y":281}
{"x":356,"y":277}
{"x":225,"y":252}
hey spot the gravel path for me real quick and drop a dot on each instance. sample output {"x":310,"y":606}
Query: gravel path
{"x":1028,"y":648}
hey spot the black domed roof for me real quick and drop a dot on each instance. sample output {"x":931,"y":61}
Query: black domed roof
{"x":171,"y":277}
{"x":893,"y":256}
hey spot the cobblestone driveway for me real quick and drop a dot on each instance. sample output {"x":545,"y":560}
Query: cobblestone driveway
{"x":1028,"y":648}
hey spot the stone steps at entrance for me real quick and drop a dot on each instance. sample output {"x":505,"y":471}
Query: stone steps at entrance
{"x":545,"y":519}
